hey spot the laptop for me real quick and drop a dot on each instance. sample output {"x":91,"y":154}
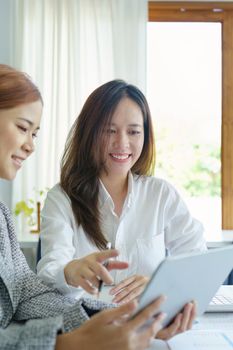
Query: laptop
{"x":222,"y":301}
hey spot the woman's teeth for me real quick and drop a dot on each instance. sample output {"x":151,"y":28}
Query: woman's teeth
{"x":121,"y":157}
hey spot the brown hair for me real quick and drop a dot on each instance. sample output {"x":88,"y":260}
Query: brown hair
{"x":16,"y":88}
{"x":83,"y":156}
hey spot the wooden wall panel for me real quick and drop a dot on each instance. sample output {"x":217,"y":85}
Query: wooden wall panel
{"x":227,"y":123}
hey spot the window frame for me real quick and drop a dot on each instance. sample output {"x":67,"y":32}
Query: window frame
{"x":211,"y":12}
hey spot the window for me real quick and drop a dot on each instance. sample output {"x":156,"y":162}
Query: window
{"x":217,"y":19}
{"x":184,"y":92}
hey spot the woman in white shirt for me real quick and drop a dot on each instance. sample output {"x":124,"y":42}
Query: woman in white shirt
{"x":107,"y":194}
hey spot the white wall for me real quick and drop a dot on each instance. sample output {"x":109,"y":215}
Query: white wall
{"x":5,"y":30}
{"x":5,"y":52}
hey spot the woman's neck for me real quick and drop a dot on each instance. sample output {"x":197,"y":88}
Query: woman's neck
{"x":117,"y":188}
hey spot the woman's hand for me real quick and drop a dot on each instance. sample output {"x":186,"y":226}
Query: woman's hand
{"x":129,"y":289}
{"x":88,"y":271}
{"x":182,"y":322}
{"x":112,"y":329}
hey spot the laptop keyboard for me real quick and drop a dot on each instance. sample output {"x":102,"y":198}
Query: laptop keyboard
{"x":221,"y":300}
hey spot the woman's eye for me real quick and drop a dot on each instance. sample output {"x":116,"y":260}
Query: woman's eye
{"x":134,"y":132}
{"x":111,"y":131}
{"x":34,"y":136}
{"x":22,"y":128}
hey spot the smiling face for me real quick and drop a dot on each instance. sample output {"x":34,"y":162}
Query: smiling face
{"x":125,"y":139}
{"x":18,"y":128}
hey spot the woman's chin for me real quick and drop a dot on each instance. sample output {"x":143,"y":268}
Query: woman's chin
{"x":9,"y":176}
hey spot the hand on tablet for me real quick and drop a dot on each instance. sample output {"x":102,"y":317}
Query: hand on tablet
{"x":114,"y":329}
{"x":182,"y":322}
{"x":129,"y":289}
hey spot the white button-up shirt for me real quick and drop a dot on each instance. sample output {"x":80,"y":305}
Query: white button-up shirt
{"x":154,"y":221}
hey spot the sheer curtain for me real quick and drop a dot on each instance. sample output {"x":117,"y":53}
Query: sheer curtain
{"x":69,"y":48}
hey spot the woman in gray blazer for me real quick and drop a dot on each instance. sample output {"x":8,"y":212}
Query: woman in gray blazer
{"x":32,"y":315}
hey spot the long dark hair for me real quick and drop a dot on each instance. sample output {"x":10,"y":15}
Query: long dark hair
{"x":83,"y":160}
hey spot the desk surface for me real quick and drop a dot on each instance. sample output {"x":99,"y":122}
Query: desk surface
{"x":214,"y":331}
{"x":219,"y":238}
{"x":28,"y":240}
{"x":208,"y":322}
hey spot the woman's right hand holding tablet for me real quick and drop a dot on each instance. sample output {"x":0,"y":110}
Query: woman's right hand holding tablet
{"x":115,"y":329}
{"x":88,"y":271}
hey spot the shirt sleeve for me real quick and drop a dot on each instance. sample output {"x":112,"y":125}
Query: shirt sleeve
{"x":34,"y":334}
{"x":42,"y":302}
{"x":40,"y":334}
{"x":57,"y":248}
{"x":183,"y":233}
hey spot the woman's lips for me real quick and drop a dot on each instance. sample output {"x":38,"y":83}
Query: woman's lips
{"x":18,"y":161}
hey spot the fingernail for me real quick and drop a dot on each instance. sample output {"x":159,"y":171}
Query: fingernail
{"x":164,"y":297}
{"x":163,"y":315}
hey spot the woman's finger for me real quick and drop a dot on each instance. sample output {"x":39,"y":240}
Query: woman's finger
{"x":125,"y":297}
{"x":156,"y":325}
{"x":171,"y":330}
{"x":192,"y":316}
{"x":122,"y":285}
{"x":102,"y":270}
{"x":147,"y":313}
{"x":127,"y":290}
{"x":131,"y":291}
{"x":129,"y":284}
{"x":90,"y":277}
{"x":117,"y":265}
{"x":114,"y":315}
{"x":186,"y":314}
{"x":86,"y":286}
{"x":105,"y":255}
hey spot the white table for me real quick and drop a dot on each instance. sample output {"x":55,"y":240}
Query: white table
{"x":206,"y":324}
{"x":219,"y":238}
{"x":28,"y":240}
{"x":214,"y":331}
{"x":209,"y":321}
{"x":28,"y":243}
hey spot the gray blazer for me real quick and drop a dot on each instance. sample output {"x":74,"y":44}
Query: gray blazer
{"x":31,"y":313}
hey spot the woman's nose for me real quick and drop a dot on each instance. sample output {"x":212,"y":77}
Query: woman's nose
{"x":121,"y":140}
{"x":29,"y":146}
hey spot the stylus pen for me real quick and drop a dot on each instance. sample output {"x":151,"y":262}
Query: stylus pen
{"x":105,"y":264}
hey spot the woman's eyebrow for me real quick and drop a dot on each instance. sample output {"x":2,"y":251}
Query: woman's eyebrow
{"x":136,"y":125}
{"x":131,"y":125}
{"x":28,"y":121}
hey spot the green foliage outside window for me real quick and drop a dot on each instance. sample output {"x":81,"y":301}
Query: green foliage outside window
{"x":193,"y":167}
{"x":203,"y":179}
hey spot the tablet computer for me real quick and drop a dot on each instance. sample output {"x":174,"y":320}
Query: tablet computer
{"x":187,"y":277}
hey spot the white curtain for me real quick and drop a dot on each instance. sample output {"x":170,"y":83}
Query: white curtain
{"x":70,"y":47}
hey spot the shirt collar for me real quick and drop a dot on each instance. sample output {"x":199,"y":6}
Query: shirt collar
{"x":104,"y":196}
{"x":129,"y":197}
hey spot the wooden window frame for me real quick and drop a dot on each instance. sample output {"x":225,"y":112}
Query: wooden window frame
{"x":211,"y":12}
